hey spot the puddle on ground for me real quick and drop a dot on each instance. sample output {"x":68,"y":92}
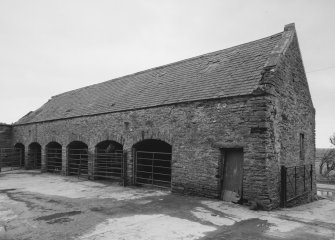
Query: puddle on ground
{"x":57,"y":215}
{"x":251,"y":229}
{"x":327,"y":193}
{"x":60,"y":220}
{"x":7,"y":190}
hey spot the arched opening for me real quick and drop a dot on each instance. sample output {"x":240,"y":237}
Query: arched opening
{"x":77,"y":153}
{"x":53,"y":156}
{"x":34,"y":156}
{"x":19,"y":147}
{"x":108,"y":162}
{"x":153,"y":162}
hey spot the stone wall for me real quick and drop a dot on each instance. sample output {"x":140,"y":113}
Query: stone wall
{"x":292,"y":114}
{"x":267,"y":125}
{"x":197,"y":131}
{"x":5,"y":136}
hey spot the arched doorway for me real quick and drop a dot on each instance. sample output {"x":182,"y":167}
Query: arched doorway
{"x":34,"y":156}
{"x":77,"y":153}
{"x":152,"y":163}
{"x":108,"y":162}
{"x":53,"y":157}
{"x":19,"y":147}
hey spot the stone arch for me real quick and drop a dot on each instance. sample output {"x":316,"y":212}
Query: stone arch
{"x":21,"y":148}
{"x":53,"y":157}
{"x":35,"y":155}
{"x":153,"y":145}
{"x":77,"y":145}
{"x":106,"y":136}
{"x":53,"y":144}
{"x":55,"y":139}
{"x":153,"y":162}
{"x":77,"y":138}
{"x":108,"y":146}
{"x":154,"y":134}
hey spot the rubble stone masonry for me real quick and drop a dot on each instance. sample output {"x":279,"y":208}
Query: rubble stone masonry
{"x":292,"y":114}
{"x":197,"y":132}
{"x":5,"y":136}
{"x":267,"y":124}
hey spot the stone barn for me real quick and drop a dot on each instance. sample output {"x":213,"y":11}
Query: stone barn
{"x":236,"y":124}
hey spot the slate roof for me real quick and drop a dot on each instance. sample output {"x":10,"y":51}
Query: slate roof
{"x":230,"y":72}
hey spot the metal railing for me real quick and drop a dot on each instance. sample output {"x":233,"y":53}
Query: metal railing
{"x":153,"y":168}
{"x":77,"y":162}
{"x":34,"y":159}
{"x":10,"y":159}
{"x":296,"y":181}
{"x":110,"y":166}
{"x":53,"y":160}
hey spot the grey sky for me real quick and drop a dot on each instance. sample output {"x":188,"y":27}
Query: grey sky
{"x":49,"y":47}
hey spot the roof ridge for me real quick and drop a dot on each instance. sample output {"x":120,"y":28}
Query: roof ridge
{"x":229,"y":72}
{"x":166,"y":65}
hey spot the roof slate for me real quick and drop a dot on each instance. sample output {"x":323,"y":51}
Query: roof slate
{"x":230,"y":72}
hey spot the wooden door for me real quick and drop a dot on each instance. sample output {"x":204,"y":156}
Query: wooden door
{"x":232,"y":175}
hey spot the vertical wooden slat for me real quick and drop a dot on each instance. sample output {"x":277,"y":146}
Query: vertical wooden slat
{"x":232,"y":175}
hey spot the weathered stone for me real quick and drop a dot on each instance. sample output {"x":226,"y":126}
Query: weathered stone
{"x":5,"y":135}
{"x":266,"y":124}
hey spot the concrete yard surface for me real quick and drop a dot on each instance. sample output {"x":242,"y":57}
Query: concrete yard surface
{"x":46,"y":206}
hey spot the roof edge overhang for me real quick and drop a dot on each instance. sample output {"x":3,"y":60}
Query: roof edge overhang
{"x":5,"y":125}
{"x":279,"y":51}
{"x":164,"y":66}
{"x":269,"y":62}
{"x":253,"y":94}
{"x":281,"y":47}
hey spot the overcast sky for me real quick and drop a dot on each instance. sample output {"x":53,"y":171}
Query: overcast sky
{"x":49,"y":47}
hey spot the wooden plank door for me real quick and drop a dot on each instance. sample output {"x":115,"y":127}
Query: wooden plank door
{"x":232,"y":175}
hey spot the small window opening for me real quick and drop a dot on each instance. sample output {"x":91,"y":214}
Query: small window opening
{"x":302,"y":146}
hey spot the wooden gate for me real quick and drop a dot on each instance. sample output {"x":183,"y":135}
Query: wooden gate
{"x":232,"y":175}
{"x":152,"y":168}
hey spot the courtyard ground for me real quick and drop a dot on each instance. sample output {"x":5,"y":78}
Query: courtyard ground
{"x":45,"y":206}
